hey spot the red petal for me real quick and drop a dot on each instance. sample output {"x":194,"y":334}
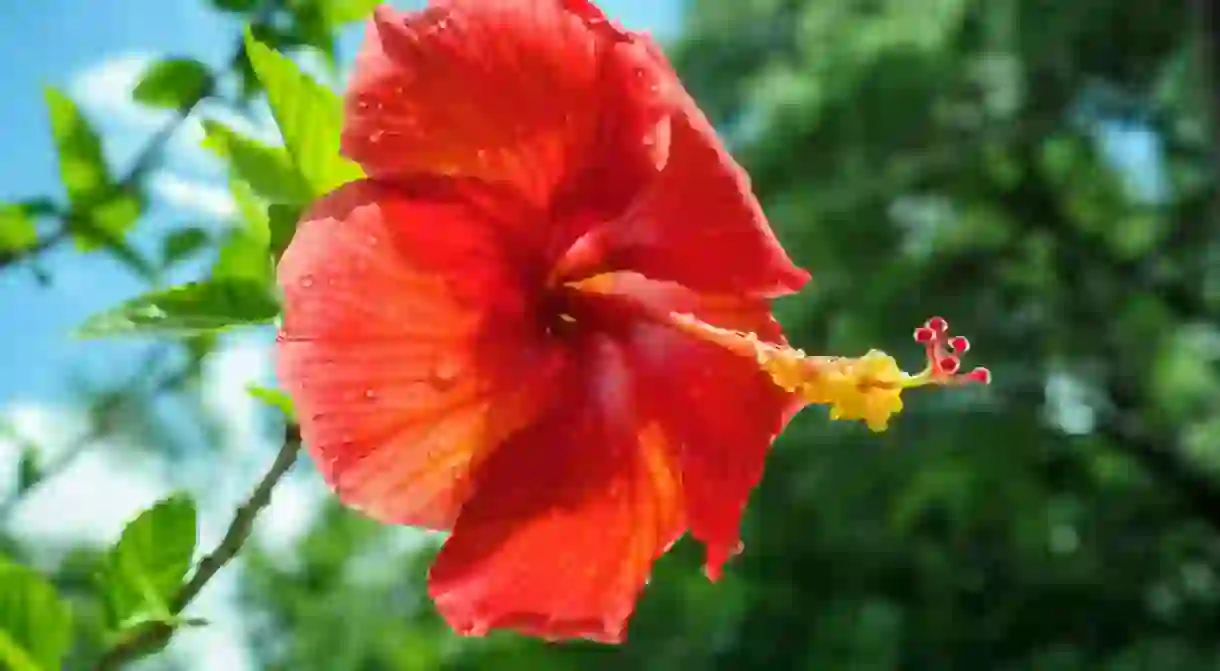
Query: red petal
{"x":699,"y":224}
{"x":404,"y":350}
{"x":717,"y":408}
{"x":499,"y":90}
{"x":568,"y":519}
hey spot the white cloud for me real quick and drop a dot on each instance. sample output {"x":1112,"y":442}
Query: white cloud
{"x":92,"y":499}
{"x":193,"y":195}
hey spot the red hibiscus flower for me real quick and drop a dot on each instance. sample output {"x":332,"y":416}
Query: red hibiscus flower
{"x":484,"y":336}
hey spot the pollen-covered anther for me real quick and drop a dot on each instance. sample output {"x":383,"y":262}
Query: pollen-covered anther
{"x":980,"y":375}
{"x":949,"y":365}
{"x":924,"y":335}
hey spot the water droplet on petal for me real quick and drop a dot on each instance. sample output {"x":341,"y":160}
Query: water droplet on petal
{"x":370,"y":394}
{"x":446,"y":370}
{"x":307,"y":281}
{"x":376,"y":136}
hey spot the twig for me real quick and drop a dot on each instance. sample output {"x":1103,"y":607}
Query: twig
{"x":153,"y":636}
{"x":143,"y":161}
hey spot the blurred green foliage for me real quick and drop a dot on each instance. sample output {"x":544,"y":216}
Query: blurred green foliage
{"x":956,"y":157}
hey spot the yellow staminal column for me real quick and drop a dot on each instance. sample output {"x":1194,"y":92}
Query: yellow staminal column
{"x":866,"y":388}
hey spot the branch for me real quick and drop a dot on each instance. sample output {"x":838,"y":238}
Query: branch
{"x":143,"y":162}
{"x":153,"y":636}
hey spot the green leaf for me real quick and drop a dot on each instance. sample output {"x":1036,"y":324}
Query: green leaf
{"x":236,"y":6}
{"x":35,"y":624}
{"x":274,"y":398}
{"x":245,"y":253}
{"x":105,"y":224}
{"x":338,"y":12}
{"x":308,"y":115}
{"x":81,"y":166}
{"x":282,"y":220}
{"x":182,"y":244}
{"x":174,"y":83}
{"x":190,"y":309}
{"x":146,"y":568}
{"x":268,"y":170}
{"x":102,"y":211}
{"x":29,"y":471}
{"x":17,"y":230}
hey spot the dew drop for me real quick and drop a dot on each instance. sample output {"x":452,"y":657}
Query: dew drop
{"x":307,"y":281}
{"x":370,"y":394}
{"x":446,"y":370}
{"x":376,"y":136}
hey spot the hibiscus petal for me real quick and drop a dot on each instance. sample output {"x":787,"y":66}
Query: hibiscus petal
{"x":717,"y":409}
{"x":568,"y":518}
{"x":499,"y":90}
{"x":404,"y":350}
{"x":700,"y":224}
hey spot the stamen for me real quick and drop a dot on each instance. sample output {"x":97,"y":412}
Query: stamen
{"x":866,"y":388}
{"x":959,"y":344}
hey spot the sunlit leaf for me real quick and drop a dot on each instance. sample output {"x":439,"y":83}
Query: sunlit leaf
{"x":81,"y":165}
{"x":245,"y":253}
{"x":174,"y":83}
{"x":186,"y":310}
{"x":338,"y":12}
{"x":181,"y":244}
{"x":268,"y":170}
{"x":274,"y":398}
{"x":308,"y":115}
{"x":105,"y":224}
{"x":17,"y":230}
{"x":35,"y":624}
{"x":146,"y":568}
{"x":102,"y":211}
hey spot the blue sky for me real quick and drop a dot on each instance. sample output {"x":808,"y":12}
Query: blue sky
{"x":94,"y":50}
